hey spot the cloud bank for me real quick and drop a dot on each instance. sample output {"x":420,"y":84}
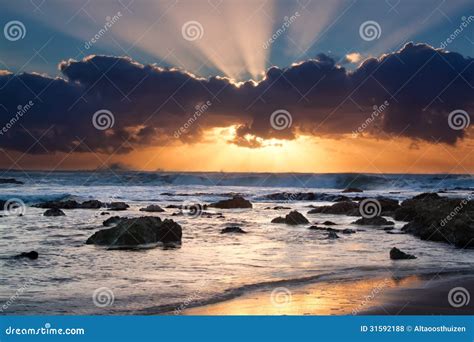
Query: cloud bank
{"x":421,"y":84}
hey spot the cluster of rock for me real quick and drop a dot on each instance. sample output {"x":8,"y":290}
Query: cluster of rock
{"x":138,"y":232}
{"x":236,"y":202}
{"x":436,"y":218}
{"x":293,"y":218}
{"x":91,"y":204}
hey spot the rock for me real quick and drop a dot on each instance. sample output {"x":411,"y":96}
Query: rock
{"x":105,"y":213}
{"x":340,"y":208}
{"x":352,"y":190}
{"x":293,"y":218}
{"x":236,"y":202}
{"x":333,"y":235}
{"x":138,"y":232}
{"x":304,"y":196}
{"x":70,"y":204}
{"x":396,"y":254}
{"x":233,"y":229}
{"x":329,"y":223}
{"x":388,"y":205}
{"x":10,"y":181}
{"x":54,"y":212}
{"x":112,"y":220}
{"x":348,"y":231}
{"x":116,"y":206}
{"x":281,"y":208}
{"x":373,"y":221}
{"x":92,"y":204}
{"x":153,"y":208}
{"x":33,"y":255}
{"x":326,"y":229}
{"x":435,"y":218}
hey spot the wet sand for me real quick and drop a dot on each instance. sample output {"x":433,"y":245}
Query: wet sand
{"x":413,"y":295}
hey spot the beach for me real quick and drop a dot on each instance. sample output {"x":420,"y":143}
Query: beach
{"x":148,"y":243}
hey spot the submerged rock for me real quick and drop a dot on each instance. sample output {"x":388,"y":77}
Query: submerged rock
{"x":153,"y":208}
{"x":70,"y":204}
{"x":374,"y":221}
{"x":293,"y":218}
{"x":10,"y":181}
{"x":339,"y":208}
{"x":396,"y":254}
{"x":304,"y":196}
{"x":138,"y":232}
{"x":54,"y":212}
{"x":333,"y":235}
{"x":233,"y":229}
{"x":236,"y":202}
{"x":33,"y":255}
{"x":329,"y":223}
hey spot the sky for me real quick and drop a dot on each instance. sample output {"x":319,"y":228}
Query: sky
{"x":251,"y":86}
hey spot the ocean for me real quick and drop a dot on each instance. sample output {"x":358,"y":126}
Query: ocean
{"x":209,"y":266}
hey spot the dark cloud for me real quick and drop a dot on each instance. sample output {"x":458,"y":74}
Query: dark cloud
{"x":153,"y":106}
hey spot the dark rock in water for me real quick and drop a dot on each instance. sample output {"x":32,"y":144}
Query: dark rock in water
{"x":396,"y":254}
{"x":174,"y":206}
{"x":236,"y":202}
{"x":70,"y":204}
{"x":352,"y":190}
{"x":233,"y":230}
{"x":437,"y":218}
{"x":54,"y":212}
{"x":105,"y":213}
{"x":153,"y":208}
{"x":112,"y":220}
{"x":329,"y":223}
{"x":10,"y":181}
{"x":293,"y":218}
{"x":33,"y":255}
{"x":348,"y":231}
{"x":388,"y":205}
{"x":340,"y":208}
{"x":117,"y":206}
{"x":304,"y":196}
{"x":281,"y":208}
{"x":92,"y":204}
{"x":136,"y":232}
{"x":373,"y":221}
{"x":333,"y":235}
{"x":326,"y":229}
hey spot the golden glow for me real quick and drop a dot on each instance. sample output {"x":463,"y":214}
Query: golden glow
{"x":354,"y":57}
{"x":304,"y":154}
{"x":315,"y":299}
